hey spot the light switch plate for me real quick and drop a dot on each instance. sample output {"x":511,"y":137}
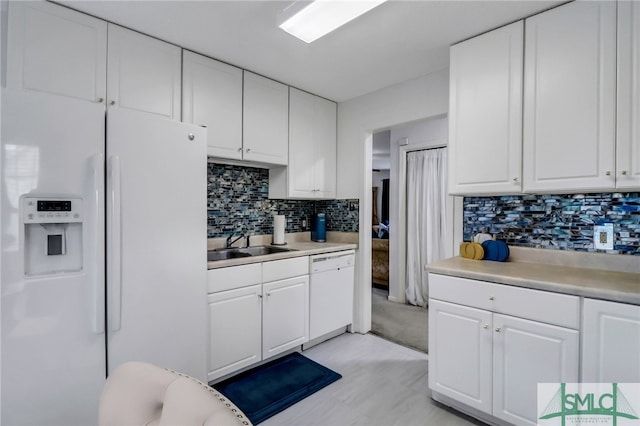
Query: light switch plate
{"x":603,"y":236}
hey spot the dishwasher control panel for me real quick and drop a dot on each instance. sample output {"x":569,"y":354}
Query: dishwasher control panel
{"x":329,"y":261}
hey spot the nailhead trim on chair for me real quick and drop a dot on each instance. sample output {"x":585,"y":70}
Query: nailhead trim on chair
{"x":217,"y":394}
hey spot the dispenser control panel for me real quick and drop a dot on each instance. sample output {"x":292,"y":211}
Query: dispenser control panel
{"x":48,"y":210}
{"x":52,"y":235}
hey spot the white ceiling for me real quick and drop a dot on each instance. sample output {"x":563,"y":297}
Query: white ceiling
{"x":398,"y":41}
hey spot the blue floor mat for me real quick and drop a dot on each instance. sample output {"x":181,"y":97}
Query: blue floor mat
{"x":270,"y":388}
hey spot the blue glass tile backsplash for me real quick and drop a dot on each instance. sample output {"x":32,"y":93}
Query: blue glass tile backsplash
{"x":237,"y":201}
{"x":563,"y":222}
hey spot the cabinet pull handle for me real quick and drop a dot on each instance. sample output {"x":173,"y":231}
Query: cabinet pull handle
{"x":608,"y":173}
{"x":100,"y":100}
{"x":492,"y":298}
{"x":112,"y":103}
{"x":515,"y":179}
{"x":259,"y":296}
{"x":485,"y":326}
{"x":498,"y":329}
{"x":623,"y":173}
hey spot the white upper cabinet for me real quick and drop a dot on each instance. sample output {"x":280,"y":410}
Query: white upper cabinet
{"x":569,"y":92}
{"x":628,"y":113}
{"x":265,"y":120}
{"x":56,"y":50}
{"x":212,"y":96}
{"x":485,"y":113}
{"x":312,"y":150}
{"x":144,"y":73}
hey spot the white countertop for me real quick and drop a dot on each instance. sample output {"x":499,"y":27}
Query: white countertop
{"x":583,"y":280}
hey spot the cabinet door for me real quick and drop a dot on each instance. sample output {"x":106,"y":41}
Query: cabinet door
{"x":56,"y":50}
{"x":143,"y":73}
{"x":628,"y":113}
{"x":460,"y":340}
{"x":325,"y":146}
{"x":265,"y":120}
{"x":526,"y":353}
{"x":235,"y":318}
{"x":485,"y":113}
{"x":285,"y":315}
{"x":302,"y":152}
{"x":212,"y":96}
{"x":569,"y":98}
{"x":610,"y":342}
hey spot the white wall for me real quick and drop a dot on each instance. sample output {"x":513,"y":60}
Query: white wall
{"x":358,"y":119}
{"x":381,"y":150}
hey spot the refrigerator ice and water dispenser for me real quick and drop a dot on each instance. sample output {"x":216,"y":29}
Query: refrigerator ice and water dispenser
{"x":52,"y":235}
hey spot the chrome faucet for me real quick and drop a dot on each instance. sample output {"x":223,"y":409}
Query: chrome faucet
{"x":231,"y":241}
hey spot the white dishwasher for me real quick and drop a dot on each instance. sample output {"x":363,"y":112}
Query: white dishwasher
{"x":331,"y":285}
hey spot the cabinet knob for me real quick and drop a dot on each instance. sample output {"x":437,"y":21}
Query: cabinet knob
{"x":492,"y":298}
{"x":623,"y":173}
{"x":259,"y":296}
{"x":191,"y":136}
{"x":498,"y":329}
{"x":240,"y":149}
{"x":248,"y":149}
{"x":268,"y":294}
{"x":516,"y":179}
{"x":608,"y":173}
{"x":112,"y":102}
{"x":100,"y":100}
{"x":485,"y":326}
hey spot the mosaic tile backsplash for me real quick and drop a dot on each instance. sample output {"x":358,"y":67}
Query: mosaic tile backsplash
{"x":563,"y":222}
{"x":238,"y":202}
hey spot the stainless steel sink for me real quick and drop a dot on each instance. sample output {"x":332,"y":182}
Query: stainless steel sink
{"x":224,"y":255}
{"x":233,"y":252}
{"x":262,"y":250}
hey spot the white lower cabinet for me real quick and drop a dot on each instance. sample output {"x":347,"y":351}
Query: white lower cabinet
{"x":285,"y":315}
{"x":460,"y":345}
{"x":526,"y":353}
{"x":235,"y":330}
{"x":256,"y":311}
{"x":610,"y":342}
{"x":492,"y":362}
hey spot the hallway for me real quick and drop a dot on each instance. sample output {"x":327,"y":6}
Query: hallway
{"x":406,"y":325}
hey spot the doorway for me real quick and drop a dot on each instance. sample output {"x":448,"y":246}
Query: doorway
{"x":392,"y":317}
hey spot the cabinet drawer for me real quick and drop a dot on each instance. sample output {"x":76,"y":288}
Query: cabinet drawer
{"x":285,"y":268}
{"x":544,"y":306}
{"x":233,"y":277}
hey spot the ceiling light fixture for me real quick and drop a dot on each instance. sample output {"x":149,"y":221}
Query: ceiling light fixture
{"x":310,"y":20}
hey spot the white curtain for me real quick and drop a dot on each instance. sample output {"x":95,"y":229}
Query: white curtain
{"x":426,"y":218}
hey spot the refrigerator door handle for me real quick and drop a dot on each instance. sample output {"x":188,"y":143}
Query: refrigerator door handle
{"x":97,"y":204}
{"x":114,"y":259}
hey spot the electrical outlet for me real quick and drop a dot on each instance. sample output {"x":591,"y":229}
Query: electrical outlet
{"x":603,"y":236}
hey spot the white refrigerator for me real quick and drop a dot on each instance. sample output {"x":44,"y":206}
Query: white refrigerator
{"x":103,"y":261}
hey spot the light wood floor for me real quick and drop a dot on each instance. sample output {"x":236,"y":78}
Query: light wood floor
{"x":382,"y":384}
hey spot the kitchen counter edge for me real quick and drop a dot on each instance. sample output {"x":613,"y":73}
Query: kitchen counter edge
{"x":299,"y":249}
{"x":592,"y":283}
